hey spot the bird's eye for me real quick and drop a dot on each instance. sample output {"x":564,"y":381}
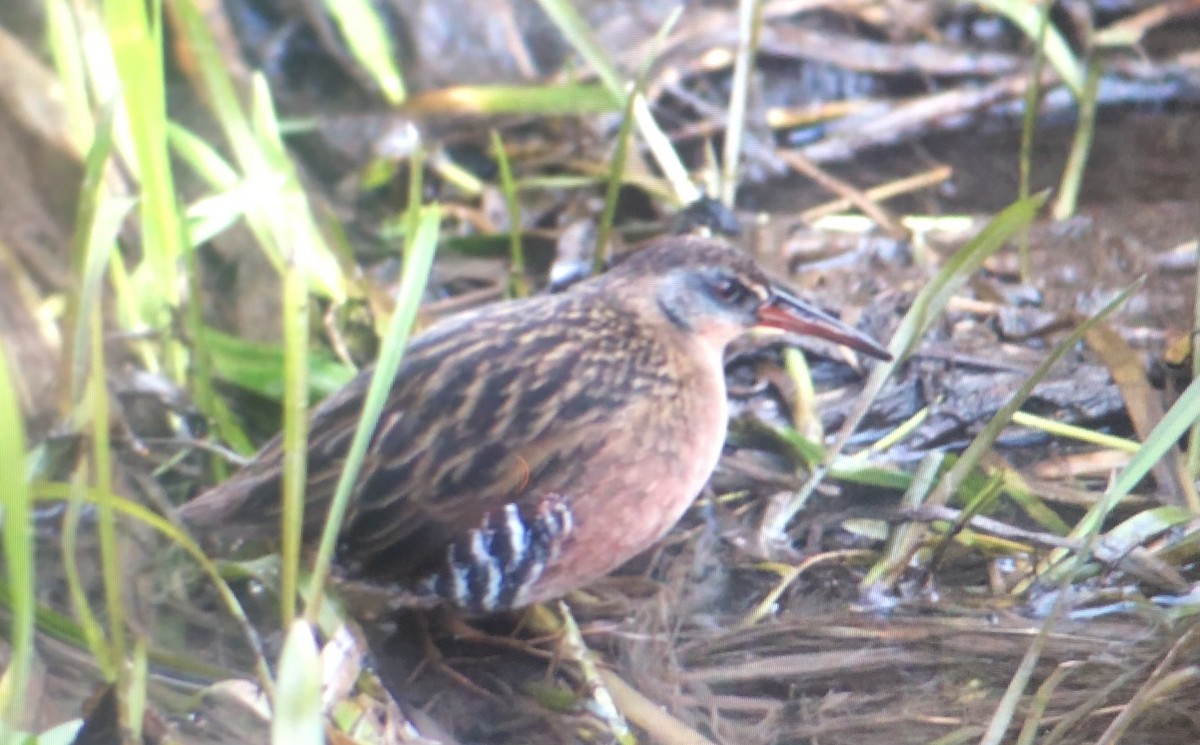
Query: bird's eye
{"x":729,"y":290}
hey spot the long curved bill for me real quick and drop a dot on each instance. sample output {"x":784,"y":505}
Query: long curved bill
{"x":783,"y":311}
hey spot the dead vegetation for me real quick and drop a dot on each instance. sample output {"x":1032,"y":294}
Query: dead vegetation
{"x":930,"y":569}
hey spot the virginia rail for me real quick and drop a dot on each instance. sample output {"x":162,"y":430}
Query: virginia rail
{"x":530,"y":447}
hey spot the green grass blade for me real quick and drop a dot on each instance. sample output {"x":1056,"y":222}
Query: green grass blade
{"x":1061,"y":568}
{"x":106,"y":527}
{"x":258,"y":367}
{"x":62,"y":37}
{"x":563,"y":99}
{"x":579,"y":35}
{"x":1160,"y":441}
{"x":135,"y":31}
{"x":1056,"y":428}
{"x":94,"y":243}
{"x":518,"y":283}
{"x":371,"y":44}
{"x":621,"y":150}
{"x":577,"y":32}
{"x":138,"y":688}
{"x":274,"y":204}
{"x":925,"y":310}
{"x":906,"y":539}
{"x":613,"y":188}
{"x":140,"y":514}
{"x":295,"y":434}
{"x":19,"y":548}
{"x":1033,"y":97}
{"x":297,"y":717}
{"x":749,"y":24}
{"x":91,"y":631}
{"x":418,"y":257}
{"x":1081,"y":146}
{"x":1027,"y":17}
{"x":287,"y":229}
{"x":85,"y":300}
{"x":971,"y":457}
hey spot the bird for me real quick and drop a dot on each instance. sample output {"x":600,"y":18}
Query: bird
{"x":530,"y":447}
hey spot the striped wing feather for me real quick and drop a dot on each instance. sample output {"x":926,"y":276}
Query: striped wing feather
{"x":489,"y":408}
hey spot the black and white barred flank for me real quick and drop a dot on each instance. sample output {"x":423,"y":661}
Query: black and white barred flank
{"x":492,"y":567}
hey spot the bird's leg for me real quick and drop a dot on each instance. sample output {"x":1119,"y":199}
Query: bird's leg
{"x":435,"y":659}
{"x":462,"y":631}
{"x":493,"y":566}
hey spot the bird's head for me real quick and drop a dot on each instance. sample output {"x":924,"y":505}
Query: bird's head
{"x":716,"y":292}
